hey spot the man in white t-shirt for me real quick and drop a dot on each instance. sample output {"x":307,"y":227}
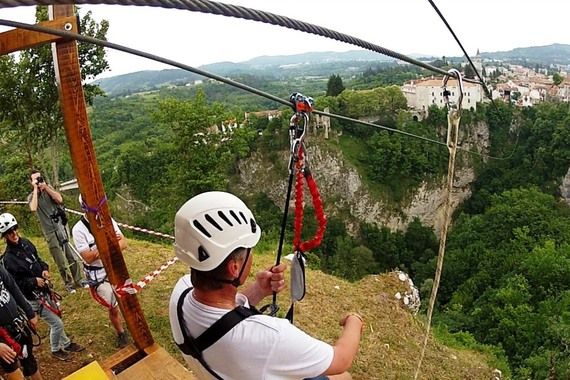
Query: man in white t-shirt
{"x":99,"y":285}
{"x":215,"y":233}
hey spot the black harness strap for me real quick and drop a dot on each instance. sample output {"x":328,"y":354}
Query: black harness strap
{"x":196,"y":346}
{"x":86,"y":224}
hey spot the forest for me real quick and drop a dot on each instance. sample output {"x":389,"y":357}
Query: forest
{"x":506,"y":279}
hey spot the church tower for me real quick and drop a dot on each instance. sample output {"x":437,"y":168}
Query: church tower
{"x":478,"y":63}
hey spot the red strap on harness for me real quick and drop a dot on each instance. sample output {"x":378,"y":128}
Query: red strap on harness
{"x":53,"y":297}
{"x":7,"y":339}
{"x":317,"y":203}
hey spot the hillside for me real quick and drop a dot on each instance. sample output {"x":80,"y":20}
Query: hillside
{"x":324,"y":64}
{"x":390,"y":345}
{"x":546,"y":55}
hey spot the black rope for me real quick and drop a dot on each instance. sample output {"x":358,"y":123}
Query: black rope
{"x":236,"y":11}
{"x":482,"y":82}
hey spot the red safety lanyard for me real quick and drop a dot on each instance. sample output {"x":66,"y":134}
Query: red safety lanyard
{"x":303,"y":172}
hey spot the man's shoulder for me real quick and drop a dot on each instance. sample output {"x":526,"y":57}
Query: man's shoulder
{"x":182,"y":284}
{"x":79,"y":227}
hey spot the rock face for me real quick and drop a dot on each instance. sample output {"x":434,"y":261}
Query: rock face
{"x":342,"y":188}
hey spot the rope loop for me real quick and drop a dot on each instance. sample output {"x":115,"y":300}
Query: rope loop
{"x":95,"y":210}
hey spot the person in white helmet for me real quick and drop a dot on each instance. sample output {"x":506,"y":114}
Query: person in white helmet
{"x":32,"y":276}
{"x":99,"y":285}
{"x":217,"y":328}
{"x":15,"y":334}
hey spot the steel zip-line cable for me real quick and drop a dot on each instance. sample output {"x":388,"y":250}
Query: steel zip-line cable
{"x":111,"y":45}
{"x":482,"y":82}
{"x":229,"y":10}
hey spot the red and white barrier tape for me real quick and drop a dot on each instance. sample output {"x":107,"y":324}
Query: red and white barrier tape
{"x":130,"y":288}
{"x":134,"y":228}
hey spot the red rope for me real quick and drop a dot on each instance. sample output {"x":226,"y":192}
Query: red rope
{"x":317,"y":203}
{"x":7,"y":338}
{"x":319,"y":213}
{"x":298,"y":226}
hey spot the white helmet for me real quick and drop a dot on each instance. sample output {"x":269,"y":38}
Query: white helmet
{"x":212,"y":225}
{"x":7,"y":221}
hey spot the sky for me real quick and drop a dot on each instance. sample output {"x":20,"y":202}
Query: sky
{"x":405,"y":26}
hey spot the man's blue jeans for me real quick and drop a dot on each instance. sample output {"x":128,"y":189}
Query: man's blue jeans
{"x":57,"y":337}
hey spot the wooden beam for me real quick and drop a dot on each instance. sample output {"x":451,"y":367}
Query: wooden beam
{"x":19,"y":39}
{"x":158,"y":365}
{"x":66,"y":59}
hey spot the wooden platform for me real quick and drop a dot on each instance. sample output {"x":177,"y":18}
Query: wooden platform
{"x":129,"y":363}
{"x":158,"y":365}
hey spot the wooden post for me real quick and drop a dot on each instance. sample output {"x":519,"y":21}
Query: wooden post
{"x":66,"y":60}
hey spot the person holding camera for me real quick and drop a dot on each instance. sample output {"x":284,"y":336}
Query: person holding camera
{"x":32,"y":276}
{"x":47,"y":203}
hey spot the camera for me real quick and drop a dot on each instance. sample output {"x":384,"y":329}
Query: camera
{"x":59,"y":215}
{"x":40,"y":179}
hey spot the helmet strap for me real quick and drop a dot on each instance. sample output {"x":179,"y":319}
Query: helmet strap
{"x":236,"y":281}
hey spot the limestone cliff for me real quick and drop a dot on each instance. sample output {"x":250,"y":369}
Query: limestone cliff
{"x":342,"y":188}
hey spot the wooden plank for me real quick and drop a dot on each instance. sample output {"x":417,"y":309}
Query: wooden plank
{"x":19,"y":39}
{"x":66,"y":60}
{"x":125,"y":354}
{"x":159,"y":365}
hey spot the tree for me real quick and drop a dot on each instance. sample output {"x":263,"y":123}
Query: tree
{"x":32,"y":118}
{"x":557,"y":79}
{"x":334,"y":85}
{"x":469,"y":72}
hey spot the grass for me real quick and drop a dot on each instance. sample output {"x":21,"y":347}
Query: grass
{"x":389,"y":349}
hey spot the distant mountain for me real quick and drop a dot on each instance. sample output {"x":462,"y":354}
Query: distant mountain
{"x":316,"y":57}
{"x":546,"y":55}
{"x":277,"y":67}
{"x":313,"y":64}
{"x":144,"y":80}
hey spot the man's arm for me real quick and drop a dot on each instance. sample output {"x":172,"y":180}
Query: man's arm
{"x":122,"y":241}
{"x":346,"y":346}
{"x":90,"y":254}
{"x":266,"y":282}
{"x":56,"y":196}
{"x":16,"y":293}
{"x":34,"y":198}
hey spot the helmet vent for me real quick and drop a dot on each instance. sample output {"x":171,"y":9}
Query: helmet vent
{"x":201,"y":228}
{"x":213,"y":222}
{"x":243,"y":217}
{"x":253,"y":225}
{"x":232,"y":213}
{"x":202,"y":254}
{"x":225,"y":218}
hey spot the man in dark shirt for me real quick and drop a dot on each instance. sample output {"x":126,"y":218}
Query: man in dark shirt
{"x":45,"y":201}
{"x":31,"y":273}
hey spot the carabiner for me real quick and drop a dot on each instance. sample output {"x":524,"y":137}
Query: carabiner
{"x":446,"y":92}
